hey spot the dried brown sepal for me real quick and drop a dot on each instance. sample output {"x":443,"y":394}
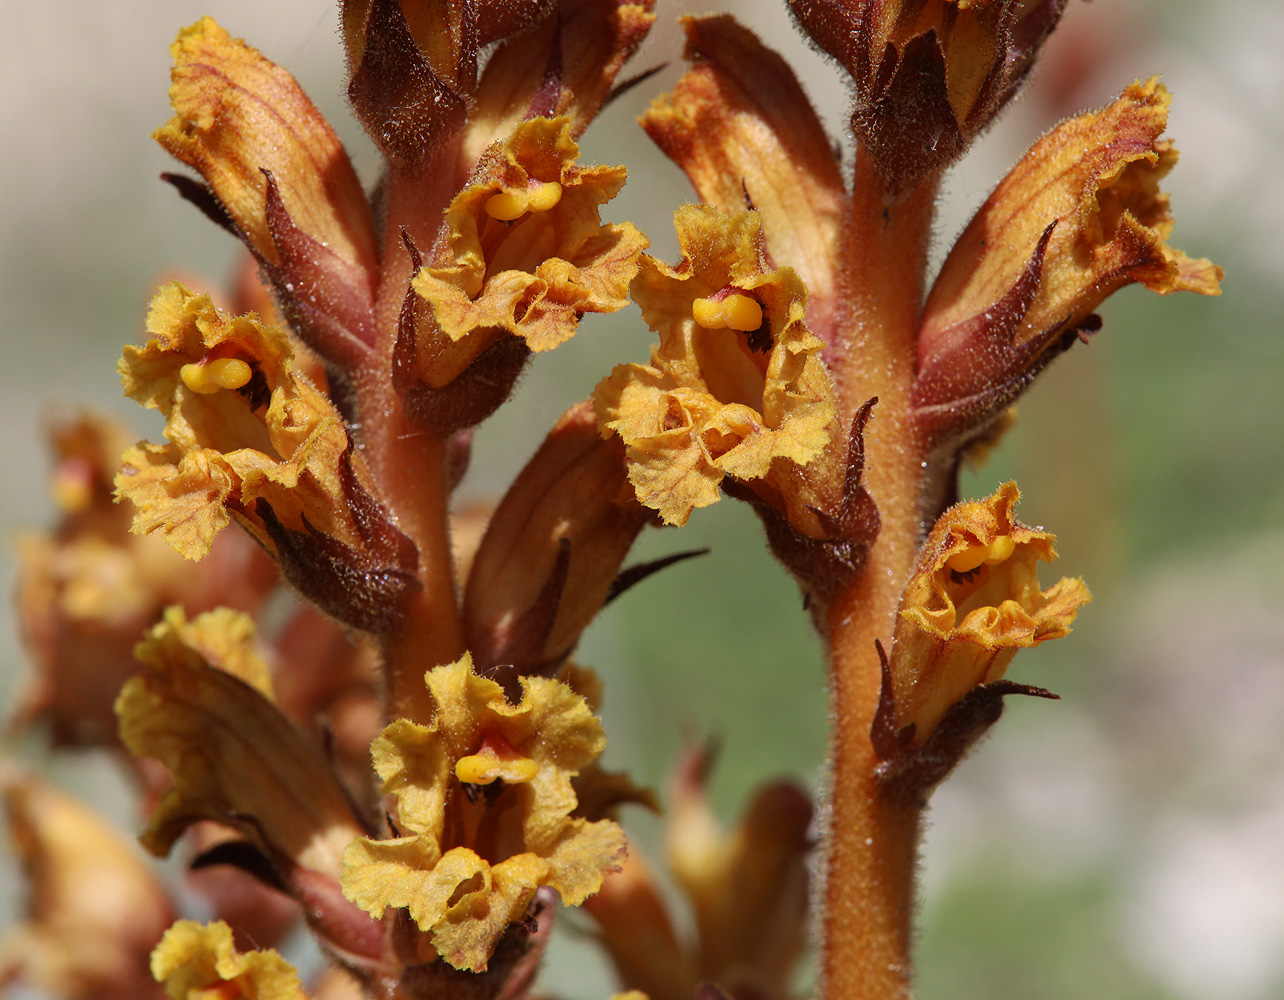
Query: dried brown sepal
{"x":910,"y":774}
{"x":410,"y":99}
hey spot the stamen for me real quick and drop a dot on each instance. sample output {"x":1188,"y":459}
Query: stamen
{"x":738,"y":312}
{"x":208,"y":377}
{"x":991,"y":554}
{"x":507,"y":206}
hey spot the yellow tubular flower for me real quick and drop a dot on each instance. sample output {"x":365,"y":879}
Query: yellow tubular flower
{"x":723,"y":395}
{"x":524,"y":251}
{"x":484,"y":803}
{"x":972,"y":603}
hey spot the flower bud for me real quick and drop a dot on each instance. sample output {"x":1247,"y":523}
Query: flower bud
{"x":552,"y":550}
{"x":929,"y":74}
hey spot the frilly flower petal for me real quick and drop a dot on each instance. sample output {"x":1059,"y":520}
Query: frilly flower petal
{"x":196,"y":961}
{"x":251,"y":438}
{"x":718,"y":402}
{"x":535,"y":275}
{"x":484,"y":792}
{"x":972,"y":603}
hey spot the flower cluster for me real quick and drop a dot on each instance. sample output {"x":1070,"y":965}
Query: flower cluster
{"x":286,"y":595}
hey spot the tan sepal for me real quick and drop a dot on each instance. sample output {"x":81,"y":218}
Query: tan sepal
{"x":1095,"y":179}
{"x":741,"y":127}
{"x":565,"y":65}
{"x":235,"y":758}
{"x":83,"y":874}
{"x":524,"y":829}
{"x":973,"y":601}
{"x":719,"y":402}
{"x":196,"y":961}
{"x":238,"y":114}
{"x":536,"y":275}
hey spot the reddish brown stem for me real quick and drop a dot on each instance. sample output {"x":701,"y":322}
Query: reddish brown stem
{"x":407,"y":459}
{"x":873,"y":842}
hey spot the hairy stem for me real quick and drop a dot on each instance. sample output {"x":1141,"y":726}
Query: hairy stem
{"x":872,"y":843}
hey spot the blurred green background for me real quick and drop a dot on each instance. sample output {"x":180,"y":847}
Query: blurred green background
{"x":1127,"y":842}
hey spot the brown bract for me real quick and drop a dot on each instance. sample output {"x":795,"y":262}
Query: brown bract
{"x":533,"y":277}
{"x":754,"y":405}
{"x":741,"y":128}
{"x":1080,"y":216}
{"x":959,"y":628}
{"x":552,"y":550}
{"x":929,"y":74}
{"x":274,"y":454}
{"x":484,"y":798}
{"x":95,"y":907}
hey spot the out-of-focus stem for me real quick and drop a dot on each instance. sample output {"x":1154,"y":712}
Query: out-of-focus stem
{"x":873,"y":842}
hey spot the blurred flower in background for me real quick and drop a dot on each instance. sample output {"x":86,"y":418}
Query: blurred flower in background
{"x":1124,"y":843}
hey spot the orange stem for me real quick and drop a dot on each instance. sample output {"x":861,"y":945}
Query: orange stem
{"x":873,"y":842}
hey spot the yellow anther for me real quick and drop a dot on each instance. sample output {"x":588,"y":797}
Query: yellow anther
{"x":507,"y":205}
{"x":484,"y":767}
{"x":739,"y":312}
{"x":544,"y":197}
{"x":742,"y":313}
{"x":708,"y":314}
{"x":221,"y":373}
{"x":1000,"y":549}
{"x":991,"y":554}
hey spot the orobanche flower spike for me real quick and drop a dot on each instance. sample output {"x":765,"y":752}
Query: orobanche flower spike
{"x":350,"y":703}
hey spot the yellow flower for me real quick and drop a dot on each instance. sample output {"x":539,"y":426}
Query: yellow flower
{"x":524,"y":253}
{"x":1080,"y":216}
{"x":740,"y":126}
{"x":200,"y":962}
{"x":973,"y":601}
{"x":484,"y":806}
{"x":251,"y":438}
{"x":735,"y":387}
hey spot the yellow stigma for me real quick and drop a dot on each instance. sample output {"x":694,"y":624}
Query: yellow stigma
{"x":991,"y":554}
{"x":484,"y":767}
{"x":211,"y":376}
{"x":509,"y":205}
{"x":739,"y":312}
